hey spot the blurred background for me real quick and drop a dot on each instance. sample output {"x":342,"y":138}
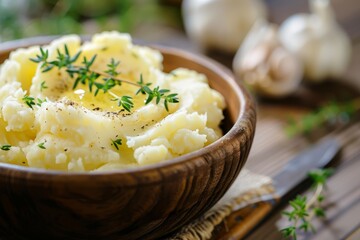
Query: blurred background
{"x":161,"y":21}
{"x":27,"y":18}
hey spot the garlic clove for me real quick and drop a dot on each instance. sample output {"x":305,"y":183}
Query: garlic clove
{"x":321,"y":44}
{"x":286,"y":72}
{"x":265,"y":65}
{"x":221,"y":25}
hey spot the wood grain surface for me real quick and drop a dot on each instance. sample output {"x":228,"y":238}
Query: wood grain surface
{"x":143,"y":203}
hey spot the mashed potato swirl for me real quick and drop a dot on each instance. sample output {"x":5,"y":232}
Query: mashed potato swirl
{"x":73,"y":130}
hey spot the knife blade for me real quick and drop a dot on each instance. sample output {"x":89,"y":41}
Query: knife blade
{"x":298,"y":168}
{"x":243,"y":219}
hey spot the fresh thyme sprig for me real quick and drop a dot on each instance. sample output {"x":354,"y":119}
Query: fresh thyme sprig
{"x":84,"y":75}
{"x":303,"y":210}
{"x":62,"y":60}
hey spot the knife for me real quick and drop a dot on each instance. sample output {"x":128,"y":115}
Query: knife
{"x":243,"y":219}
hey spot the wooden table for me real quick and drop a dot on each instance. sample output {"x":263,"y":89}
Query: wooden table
{"x":272,"y":147}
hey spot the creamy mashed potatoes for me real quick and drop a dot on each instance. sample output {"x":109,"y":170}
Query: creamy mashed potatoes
{"x":73,"y":130}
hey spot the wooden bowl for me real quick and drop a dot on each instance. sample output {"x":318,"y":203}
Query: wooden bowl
{"x":143,"y":203}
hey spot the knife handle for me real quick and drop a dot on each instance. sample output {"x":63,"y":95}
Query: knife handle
{"x":241,"y":222}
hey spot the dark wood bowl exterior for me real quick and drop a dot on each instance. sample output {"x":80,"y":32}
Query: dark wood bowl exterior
{"x":143,"y":203}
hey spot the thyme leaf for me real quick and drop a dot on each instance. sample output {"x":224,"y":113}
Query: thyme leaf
{"x":41,"y":145}
{"x":43,"y":86}
{"x":5,"y":147}
{"x":116,"y":143}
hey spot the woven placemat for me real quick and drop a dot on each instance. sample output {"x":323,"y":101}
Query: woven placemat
{"x":246,"y":187}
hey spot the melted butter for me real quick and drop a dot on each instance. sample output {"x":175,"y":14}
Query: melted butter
{"x":105,"y":101}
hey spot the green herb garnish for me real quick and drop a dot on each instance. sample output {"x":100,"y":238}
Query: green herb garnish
{"x":40,"y":101}
{"x":5,"y":147}
{"x":303,"y":210}
{"x":41,"y":145}
{"x":43,"y":86}
{"x":43,"y":59}
{"x":142,"y":85}
{"x":116,"y":143}
{"x":83,"y":74}
{"x":30,"y":101}
{"x":125,"y":102}
{"x":112,"y":68}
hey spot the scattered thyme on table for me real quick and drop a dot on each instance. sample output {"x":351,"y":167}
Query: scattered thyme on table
{"x":83,"y":74}
{"x":328,"y":114}
{"x":303,"y":210}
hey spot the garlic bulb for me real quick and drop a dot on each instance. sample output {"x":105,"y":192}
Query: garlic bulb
{"x":264,"y":64}
{"x":318,"y":40}
{"x":220,"y":24}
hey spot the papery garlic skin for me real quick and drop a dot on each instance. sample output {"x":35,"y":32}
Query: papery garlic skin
{"x":220,"y":24}
{"x":319,"y":41}
{"x":265,"y":65}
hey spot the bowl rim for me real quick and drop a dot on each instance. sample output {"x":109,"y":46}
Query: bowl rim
{"x":246,"y":102}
